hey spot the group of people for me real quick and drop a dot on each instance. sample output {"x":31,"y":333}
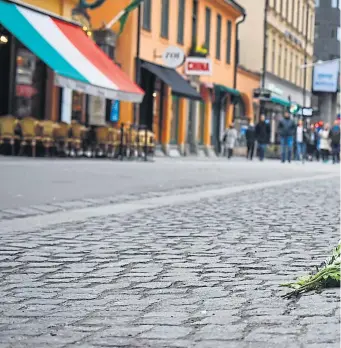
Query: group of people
{"x":296,"y":140}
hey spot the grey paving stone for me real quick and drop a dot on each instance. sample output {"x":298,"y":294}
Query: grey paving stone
{"x":204,"y":274}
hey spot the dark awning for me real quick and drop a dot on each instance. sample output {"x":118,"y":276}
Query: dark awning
{"x":170,"y":77}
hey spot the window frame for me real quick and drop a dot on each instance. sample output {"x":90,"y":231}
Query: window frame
{"x":164,"y":28}
{"x":147,"y":16}
{"x":218,"y":37}
{"x":208,"y":16}
{"x":181,"y":21}
{"x":228,"y":41}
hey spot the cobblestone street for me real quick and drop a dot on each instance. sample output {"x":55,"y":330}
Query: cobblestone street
{"x":203,"y":273}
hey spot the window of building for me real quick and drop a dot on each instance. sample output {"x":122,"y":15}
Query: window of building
{"x":335,"y":4}
{"x":194,"y":22}
{"x":279,"y":60}
{"x":273,"y":59}
{"x":298,"y":15}
{"x":302,"y":72}
{"x":312,"y":27}
{"x":165,"y":19}
{"x":317,"y":3}
{"x":290,"y":67}
{"x":296,"y":70}
{"x":281,"y":7}
{"x":181,"y":22}
{"x":207,"y":28}
{"x":317,"y":31}
{"x":147,"y":14}
{"x":285,"y":62}
{"x":287,"y":10}
{"x":293,"y":12}
{"x":218,"y":43}
{"x":304,"y":8}
{"x":275,"y":5}
{"x":228,"y":41}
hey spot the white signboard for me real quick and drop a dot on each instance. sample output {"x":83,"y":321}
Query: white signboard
{"x":96,"y":111}
{"x":198,"y":66}
{"x":173,"y":57}
{"x":326,"y":76}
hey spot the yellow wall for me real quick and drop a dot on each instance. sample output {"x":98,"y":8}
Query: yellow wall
{"x":246,"y":83}
{"x":59,"y":7}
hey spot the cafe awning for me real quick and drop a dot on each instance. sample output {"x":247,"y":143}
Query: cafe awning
{"x":178,"y":84}
{"x":77,"y":61}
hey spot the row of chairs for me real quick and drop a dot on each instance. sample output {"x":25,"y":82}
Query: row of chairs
{"x":74,"y":138}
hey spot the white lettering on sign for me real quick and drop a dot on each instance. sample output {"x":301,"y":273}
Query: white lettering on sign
{"x":173,"y":57}
{"x":198,"y":66}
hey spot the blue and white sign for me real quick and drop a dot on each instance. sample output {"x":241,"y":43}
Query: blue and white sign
{"x":326,"y":76}
{"x":115,"y":111}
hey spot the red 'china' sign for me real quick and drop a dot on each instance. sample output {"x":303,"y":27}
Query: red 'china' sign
{"x":198,"y":66}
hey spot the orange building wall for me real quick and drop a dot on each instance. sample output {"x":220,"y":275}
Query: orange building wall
{"x":246,"y":83}
{"x":59,"y":7}
{"x":152,"y":45}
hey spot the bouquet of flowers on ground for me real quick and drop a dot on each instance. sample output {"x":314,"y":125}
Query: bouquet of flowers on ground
{"x":325,"y":276}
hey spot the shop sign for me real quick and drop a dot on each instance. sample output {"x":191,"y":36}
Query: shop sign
{"x":275,"y":89}
{"x":96,"y":111}
{"x":326,"y":76}
{"x":115,"y":111}
{"x":173,"y":57}
{"x":198,"y":66}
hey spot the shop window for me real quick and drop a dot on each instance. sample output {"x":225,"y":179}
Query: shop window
{"x":207,"y":28}
{"x":77,"y":106}
{"x":228,"y":41}
{"x":147,"y":15}
{"x":181,"y":22}
{"x":218,"y":43}
{"x":29,"y":84}
{"x":165,"y":19}
{"x":175,"y":120}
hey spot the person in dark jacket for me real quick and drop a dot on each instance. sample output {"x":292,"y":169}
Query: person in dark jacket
{"x":262,"y":136}
{"x":250,"y":140}
{"x":286,"y":130}
{"x":334,"y":136}
{"x":311,"y":142}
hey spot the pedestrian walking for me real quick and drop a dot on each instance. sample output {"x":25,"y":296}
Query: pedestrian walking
{"x":311,"y":142}
{"x":230,"y":138}
{"x":262,"y":136}
{"x":250,"y":136}
{"x":325,"y":142}
{"x":335,"y":141}
{"x":301,"y":133}
{"x":286,"y":130}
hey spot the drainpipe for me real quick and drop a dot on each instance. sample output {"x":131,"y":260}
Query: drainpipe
{"x":236,"y":56}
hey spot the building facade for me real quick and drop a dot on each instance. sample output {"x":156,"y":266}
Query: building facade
{"x":188,"y":111}
{"x":51,"y":68}
{"x":289,"y":46}
{"x":327,"y":48}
